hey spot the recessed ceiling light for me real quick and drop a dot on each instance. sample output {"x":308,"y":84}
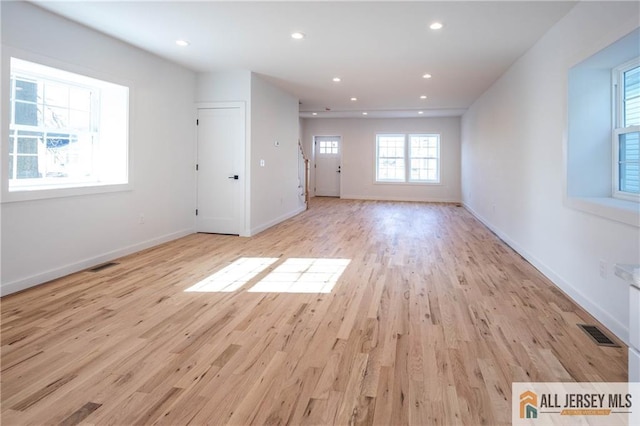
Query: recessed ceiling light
{"x":365,"y":113}
{"x":182,"y":43}
{"x":420,"y":112}
{"x":423,"y":97}
{"x":354,"y":99}
{"x":336,"y":79}
{"x":426,"y":75}
{"x":436,"y":26}
{"x":297,"y":35}
{"x":314,"y":113}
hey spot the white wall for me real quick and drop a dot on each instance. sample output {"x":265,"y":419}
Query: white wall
{"x":274,"y":187}
{"x":224,"y":86}
{"x":590,"y":110}
{"x":44,"y":239}
{"x":221,"y":88}
{"x":358,"y":156}
{"x":271,"y":115}
{"x":513,"y":169}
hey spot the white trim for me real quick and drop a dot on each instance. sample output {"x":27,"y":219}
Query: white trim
{"x":45,"y":194}
{"x":616,"y":193}
{"x":376,"y":179}
{"x":407,"y":199}
{"x":245,"y":228}
{"x":619,"y":329}
{"x":43,"y":277}
{"x":407,"y":159}
{"x":98,"y":74}
{"x":411,"y":183}
{"x":257,"y":229}
{"x":70,"y":189}
{"x":614,"y":209}
{"x":438,"y":158}
{"x":214,"y":105}
{"x":617,"y":78}
{"x":314,"y":162}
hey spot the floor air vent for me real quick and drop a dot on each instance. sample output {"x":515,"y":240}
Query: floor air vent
{"x":598,"y":336}
{"x":103,"y":266}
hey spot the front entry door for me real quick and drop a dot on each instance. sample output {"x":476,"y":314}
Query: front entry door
{"x":220,"y":170}
{"x":327,"y":156}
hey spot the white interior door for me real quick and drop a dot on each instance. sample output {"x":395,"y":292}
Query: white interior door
{"x":327,"y":162}
{"x":220,"y":170}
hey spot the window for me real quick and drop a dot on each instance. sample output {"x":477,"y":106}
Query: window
{"x":626,"y":135}
{"x":328,"y":147}
{"x":391,"y":155}
{"x":424,"y":154}
{"x":408,"y":158}
{"x":66,"y":130}
{"x":598,"y":142}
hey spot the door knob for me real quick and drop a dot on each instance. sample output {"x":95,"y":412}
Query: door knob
{"x":236,"y":177}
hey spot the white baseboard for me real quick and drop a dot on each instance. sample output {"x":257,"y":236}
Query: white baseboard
{"x":408,"y":199}
{"x":43,"y":277}
{"x":260,"y":228}
{"x":619,"y":329}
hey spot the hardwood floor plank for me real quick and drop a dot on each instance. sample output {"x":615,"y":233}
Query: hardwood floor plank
{"x":155,"y":411}
{"x":80,"y":414}
{"x":329,"y":373}
{"x":303,"y":398}
{"x":384,"y":397}
{"x":400,"y":399}
{"x":348,"y":411}
{"x":42,"y":393}
{"x":248,"y":407}
{"x":430,"y":322}
{"x":322,"y":411}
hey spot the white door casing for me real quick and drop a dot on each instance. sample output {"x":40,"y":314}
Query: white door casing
{"x":327,"y":165}
{"x":220,"y":170}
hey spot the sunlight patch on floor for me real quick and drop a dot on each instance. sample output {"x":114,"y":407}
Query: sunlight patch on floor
{"x":234,"y":276}
{"x":301,"y":275}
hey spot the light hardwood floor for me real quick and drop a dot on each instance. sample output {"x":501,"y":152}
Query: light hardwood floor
{"x":429,"y":324}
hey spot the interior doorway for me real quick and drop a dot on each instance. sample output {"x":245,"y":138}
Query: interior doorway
{"x":220,"y":170}
{"x":327,"y":165}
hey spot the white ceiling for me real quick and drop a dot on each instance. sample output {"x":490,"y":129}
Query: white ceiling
{"x":380,"y":50}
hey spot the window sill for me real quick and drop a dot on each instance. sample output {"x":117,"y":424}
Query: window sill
{"x":623,"y":211}
{"x":378,"y":182}
{"x":42,"y":194}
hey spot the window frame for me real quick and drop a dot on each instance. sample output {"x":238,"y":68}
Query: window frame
{"x":619,"y":128}
{"x":377,"y":162}
{"x":325,"y":149}
{"x":411,"y":157}
{"x":78,"y":187}
{"x":25,"y":184}
{"x":407,"y":159}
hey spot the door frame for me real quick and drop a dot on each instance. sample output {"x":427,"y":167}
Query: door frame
{"x":244,"y":205}
{"x":313,"y":146}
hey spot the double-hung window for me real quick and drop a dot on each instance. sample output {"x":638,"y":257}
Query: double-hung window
{"x":390,"y":158}
{"x":626,"y":135}
{"x":412,"y":158}
{"x":66,"y":130}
